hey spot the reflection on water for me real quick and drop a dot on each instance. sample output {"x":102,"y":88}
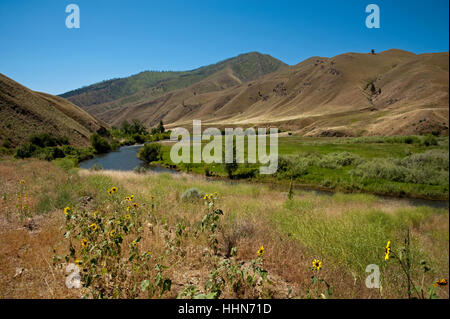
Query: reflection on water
{"x":123,"y":159}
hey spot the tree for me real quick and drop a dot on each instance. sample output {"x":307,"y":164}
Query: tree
{"x":161,"y":128}
{"x":230,"y":168}
{"x":150,"y":152}
{"x":100,"y":144}
{"x":372,"y":51}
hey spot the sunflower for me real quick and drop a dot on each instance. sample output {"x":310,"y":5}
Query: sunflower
{"x":109,"y":192}
{"x":387,"y":251}
{"x":151,"y":198}
{"x":135,"y":206}
{"x":112,"y":233}
{"x":67,"y":210}
{"x":317,"y":264}
{"x":93,"y":226}
{"x":127,"y":216}
{"x":22,"y":181}
{"x":78,"y":261}
{"x":260,"y":251}
{"x":442,"y":282}
{"x":134,"y":244}
{"x":114,"y":189}
{"x":95,"y":213}
{"x":84,"y":243}
{"x":128,"y":208}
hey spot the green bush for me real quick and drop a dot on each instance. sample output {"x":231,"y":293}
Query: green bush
{"x":429,"y":140}
{"x":25,"y":150}
{"x":150,"y":152}
{"x":192,"y":194}
{"x":100,"y":144}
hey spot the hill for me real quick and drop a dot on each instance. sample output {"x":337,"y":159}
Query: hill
{"x":389,"y":93}
{"x":24,"y":112}
{"x":117,"y":93}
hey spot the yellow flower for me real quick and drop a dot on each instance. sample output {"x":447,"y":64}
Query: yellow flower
{"x":109,"y":192}
{"x":127,"y":216}
{"x":128,"y":198}
{"x":442,"y":282}
{"x":151,"y":198}
{"x":78,"y":261}
{"x":132,"y":197}
{"x":317,"y":264}
{"x":128,"y":208}
{"x":134,"y":244}
{"x":135,"y":205}
{"x":114,"y":189}
{"x":95,"y":213}
{"x":112,"y":233}
{"x":387,"y":251}
{"x":93,"y":227}
{"x":260,"y":251}
{"x":84,"y":242}
{"x":22,"y":181}
{"x":67,"y":210}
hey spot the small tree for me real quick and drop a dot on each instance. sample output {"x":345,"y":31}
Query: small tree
{"x":161,"y":128}
{"x":150,"y":152}
{"x":100,"y":144}
{"x":373,"y":51}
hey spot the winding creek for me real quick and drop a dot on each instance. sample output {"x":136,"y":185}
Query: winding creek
{"x":125,"y":159}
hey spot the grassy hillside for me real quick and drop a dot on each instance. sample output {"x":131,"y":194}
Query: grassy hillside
{"x":146,"y":85}
{"x":389,"y":93}
{"x":24,"y":113}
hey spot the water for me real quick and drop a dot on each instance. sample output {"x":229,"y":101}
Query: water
{"x":123,"y":159}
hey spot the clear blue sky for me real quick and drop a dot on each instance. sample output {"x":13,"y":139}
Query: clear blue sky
{"x":120,"y":38}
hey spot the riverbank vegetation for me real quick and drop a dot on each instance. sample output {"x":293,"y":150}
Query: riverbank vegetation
{"x":136,"y":236}
{"x":411,"y":166}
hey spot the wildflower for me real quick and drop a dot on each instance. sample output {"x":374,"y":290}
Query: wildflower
{"x":93,"y":226}
{"x":84,"y":243}
{"x":113,"y":189}
{"x":442,"y":282}
{"x":317,"y":264}
{"x":22,"y":181}
{"x":112,"y":233}
{"x":127,"y":216}
{"x":95,"y":213}
{"x":67,"y":210}
{"x":135,"y":206}
{"x":128,"y":208}
{"x":151,"y":198}
{"x":387,"y":251}
{"x":78,"y":261}
{"x":134,"y":244}
{"x":128,"y":198}
{"x":260,"y":251}
{"x":109,"y":192}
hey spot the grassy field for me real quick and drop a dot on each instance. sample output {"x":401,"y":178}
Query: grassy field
{"x":166,"y":242}
{"x":397,"y":166}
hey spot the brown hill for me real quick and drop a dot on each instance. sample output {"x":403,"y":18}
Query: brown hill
{"x":24,"y":113}
{"x":389,"y":93}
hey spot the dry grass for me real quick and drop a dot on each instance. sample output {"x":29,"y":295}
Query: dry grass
{"x":254,"y":215}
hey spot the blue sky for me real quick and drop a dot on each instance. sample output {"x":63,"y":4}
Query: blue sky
{"x":120,"y":38}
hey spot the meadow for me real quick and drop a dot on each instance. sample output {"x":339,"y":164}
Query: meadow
{"x":402,"y":166}
{"x":166,"y":236}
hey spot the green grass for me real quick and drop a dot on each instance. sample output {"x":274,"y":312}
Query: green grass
{"x":396,"y":166}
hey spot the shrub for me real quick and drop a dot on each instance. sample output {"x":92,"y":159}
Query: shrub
{"x":192,"y":194}
{"x":100,"y":144}
{"x":246,"y":172}
{"x":48,"y":140}
{"x":25,"y":150}
{"x":429,"y":140}
{"x":150,"y":153}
